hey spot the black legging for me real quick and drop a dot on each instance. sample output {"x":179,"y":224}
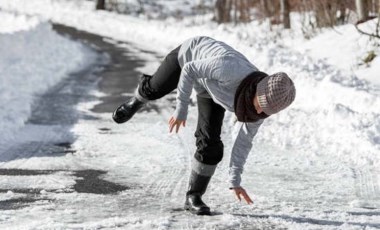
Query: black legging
{"x":164,"y":80}
{"x":210,"y":115}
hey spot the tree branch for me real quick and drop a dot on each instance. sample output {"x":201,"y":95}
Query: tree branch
{"x":374,"y":35}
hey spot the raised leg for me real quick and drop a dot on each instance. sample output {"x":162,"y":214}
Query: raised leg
{"x":161,"y":83}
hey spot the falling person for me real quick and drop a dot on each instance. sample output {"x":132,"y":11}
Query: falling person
{"x":223,"y":79}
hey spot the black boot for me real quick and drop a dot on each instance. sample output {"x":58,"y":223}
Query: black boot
{"x":197,"y":187}
{"x":126,"y":111}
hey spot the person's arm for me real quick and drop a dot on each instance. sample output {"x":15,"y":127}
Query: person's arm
{"x":184,"y":90}
{"x":218,"y":68}
{"x":207,"y":69}
{"x":240,"y":150}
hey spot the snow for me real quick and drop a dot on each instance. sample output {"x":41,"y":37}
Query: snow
{"x":346,"y":49}
{"x":46,"y":182}
{"x":345,"y":92}
{"x":11,"y":23}
{"x":41,"y":65}
{"x":315,"y":165}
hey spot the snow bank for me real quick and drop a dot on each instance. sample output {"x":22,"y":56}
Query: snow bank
{"x":11,"y":23}
{"x":335,"y":112}
{"x":30,"y":63}
{"x":345,"y":48}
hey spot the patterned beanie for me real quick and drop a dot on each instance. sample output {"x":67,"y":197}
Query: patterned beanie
{"x":275,"y":93}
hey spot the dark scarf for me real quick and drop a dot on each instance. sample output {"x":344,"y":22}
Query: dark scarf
{"x":243,"y":103}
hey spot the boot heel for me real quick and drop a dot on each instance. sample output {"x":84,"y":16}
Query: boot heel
{"x":198,"y":183}
{"x":126,"y":111}
{"x":202,"y":211}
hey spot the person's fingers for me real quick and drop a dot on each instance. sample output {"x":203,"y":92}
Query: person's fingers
{"x":171,"y":128}
{"x":175,"y":123}
{"x":247,"y":198}
{"x":177,"y":127}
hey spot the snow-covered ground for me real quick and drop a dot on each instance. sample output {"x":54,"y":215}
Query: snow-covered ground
{"x":315,"y":165}
{"x":30,"y":63}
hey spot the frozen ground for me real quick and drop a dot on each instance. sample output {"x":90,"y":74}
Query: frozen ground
{"x":313,"y":167}
{"x":30,"y":63}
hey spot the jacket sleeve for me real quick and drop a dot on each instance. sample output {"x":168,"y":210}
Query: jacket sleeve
{"x":206,"y":69}
{"x":184,"y":89}
{"x":240,"y":150}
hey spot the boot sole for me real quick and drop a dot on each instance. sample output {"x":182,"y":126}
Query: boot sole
{"x":204,"y":212}
{"x":125,"y":119}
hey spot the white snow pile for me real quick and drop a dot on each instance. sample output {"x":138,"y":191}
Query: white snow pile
{"x":345,"y":48}
{"x":30,"y":63}
{"x":336,"y":109}
{"x":11,"y":23}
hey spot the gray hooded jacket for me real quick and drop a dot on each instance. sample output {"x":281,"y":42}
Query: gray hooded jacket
{"x":215,"y":70}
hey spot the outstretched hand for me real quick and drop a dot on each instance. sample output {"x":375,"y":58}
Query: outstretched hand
{"x":239,"y":191}
{"x":173,"y":122}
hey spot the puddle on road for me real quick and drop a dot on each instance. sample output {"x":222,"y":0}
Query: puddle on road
{"x":66,"y":147}
{"x":91,"y":183}
{"x":18,"y":203}
{"x":88,"y":181}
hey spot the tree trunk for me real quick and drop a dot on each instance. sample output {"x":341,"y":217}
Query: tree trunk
{"x":100,"y":4}
{"x":268,"y":7}
{"x":236,"y":9}
{"x":220,"y":8}
{"x":227,"y":11}
{"x":341,"y":19}
{"x":244,"y":11}
{"x":361,"y":9}
{"x":285,"y":13}
{"x":322,"y":16}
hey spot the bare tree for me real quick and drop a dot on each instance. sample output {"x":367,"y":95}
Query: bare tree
{"x":232,"y":10}
{"x":362,"y":9}
{"x":220,"y":6}
{"x":285,"y":13}
{"x":100,"y":4}
{"x":341,"y":17}
{"x":227,"y":11}
{"x":268,"y":7}
{"x":244,"y":11}
{"x":375,"y":34}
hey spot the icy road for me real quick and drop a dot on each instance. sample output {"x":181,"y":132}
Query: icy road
{"x":73,"y":168}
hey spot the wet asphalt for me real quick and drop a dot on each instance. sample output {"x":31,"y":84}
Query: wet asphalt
{"x":113,"y":74}
{"x":118,"y":76}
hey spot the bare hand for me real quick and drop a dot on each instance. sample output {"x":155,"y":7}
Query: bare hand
{"x":173,"y":122}
{"x":239,"y":191}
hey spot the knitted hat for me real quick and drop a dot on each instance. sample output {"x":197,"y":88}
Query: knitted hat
{"x":275,"y":93}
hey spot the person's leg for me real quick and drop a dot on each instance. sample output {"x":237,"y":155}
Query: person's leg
{"x":209,"y":127}
{"x":163,"y":81}
{"x":208,"y":154}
